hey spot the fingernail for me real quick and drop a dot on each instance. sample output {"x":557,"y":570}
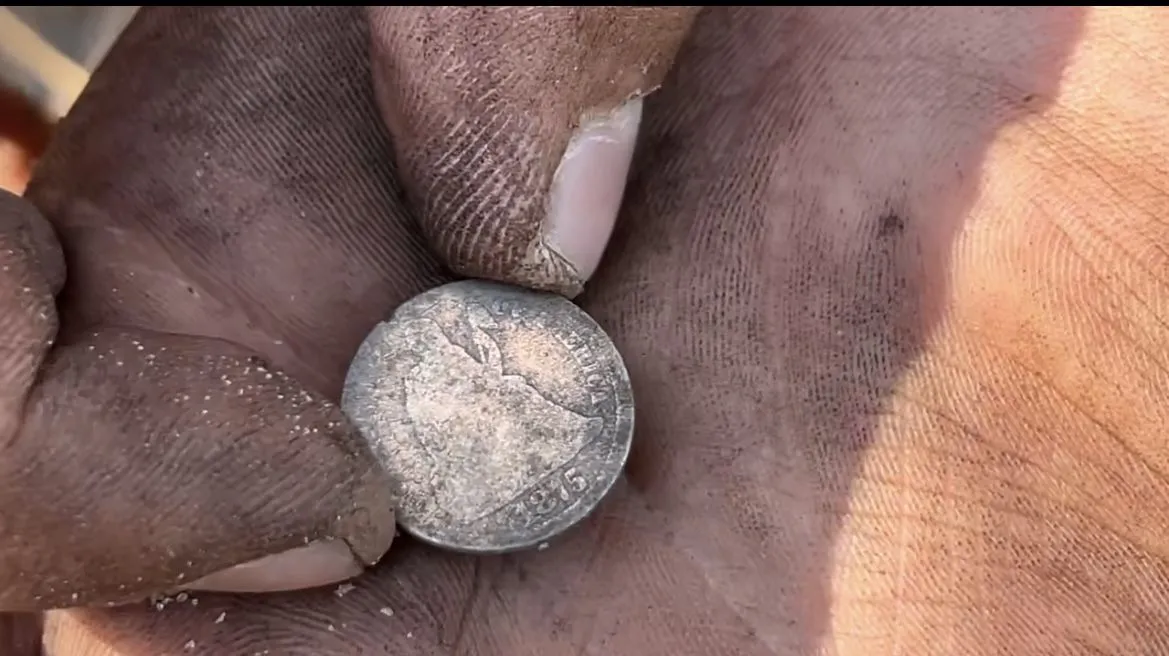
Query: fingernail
{"x":588,"y":186}
{"x":319,"y":563}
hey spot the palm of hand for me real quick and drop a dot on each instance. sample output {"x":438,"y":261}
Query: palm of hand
{"x":848,"y":440}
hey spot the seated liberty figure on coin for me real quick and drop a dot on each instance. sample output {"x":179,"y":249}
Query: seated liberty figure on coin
{"x":445,"y":400}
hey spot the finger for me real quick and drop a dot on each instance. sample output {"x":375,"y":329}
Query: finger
{"x":206,"y":184}
{"x":155,"y":460}
{"x":32,"y":270}
{"x":514,"y":127}
{"x":24,"y":133}
{"x":133,"y":461}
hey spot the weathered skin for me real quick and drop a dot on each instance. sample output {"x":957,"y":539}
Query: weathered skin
{"x":890,"y":284}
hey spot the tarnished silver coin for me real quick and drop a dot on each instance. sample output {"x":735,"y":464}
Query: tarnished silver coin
{"x":503,"y":415}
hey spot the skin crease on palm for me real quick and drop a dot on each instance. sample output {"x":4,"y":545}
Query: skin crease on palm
{"x":886,"y":281}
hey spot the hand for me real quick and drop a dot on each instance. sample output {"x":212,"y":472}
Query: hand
{"x":181,"y":422}
{"x":885,"y":280}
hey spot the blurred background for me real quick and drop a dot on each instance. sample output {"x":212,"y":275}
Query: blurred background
{"x":46,"y":56}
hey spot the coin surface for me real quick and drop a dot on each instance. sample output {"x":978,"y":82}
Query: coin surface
{"x":503,"y":415}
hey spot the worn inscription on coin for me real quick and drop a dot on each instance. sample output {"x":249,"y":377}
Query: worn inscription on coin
{"x":503,"y":415}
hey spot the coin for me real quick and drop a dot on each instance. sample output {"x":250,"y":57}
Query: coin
{"x":503,"y":415}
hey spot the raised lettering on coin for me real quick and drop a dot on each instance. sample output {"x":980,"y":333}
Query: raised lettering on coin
{"x":503,"y":415}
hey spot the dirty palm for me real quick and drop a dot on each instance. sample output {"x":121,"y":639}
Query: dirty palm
{"x":887,"y":282}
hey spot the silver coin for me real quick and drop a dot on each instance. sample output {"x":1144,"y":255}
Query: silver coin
{"x":503,"y":415}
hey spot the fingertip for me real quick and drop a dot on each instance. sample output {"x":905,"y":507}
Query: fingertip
{"x":517,"y":172}
{"x":314,"y":565}
{"x":24,"y":134}
{"x":587,"y":189}
{"x":169,"y":458}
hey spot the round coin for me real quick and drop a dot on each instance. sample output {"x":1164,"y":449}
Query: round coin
{"x":503,"y":415}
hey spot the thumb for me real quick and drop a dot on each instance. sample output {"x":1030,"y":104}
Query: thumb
{"x":133,"y":462}
{"x":514,"y":127}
